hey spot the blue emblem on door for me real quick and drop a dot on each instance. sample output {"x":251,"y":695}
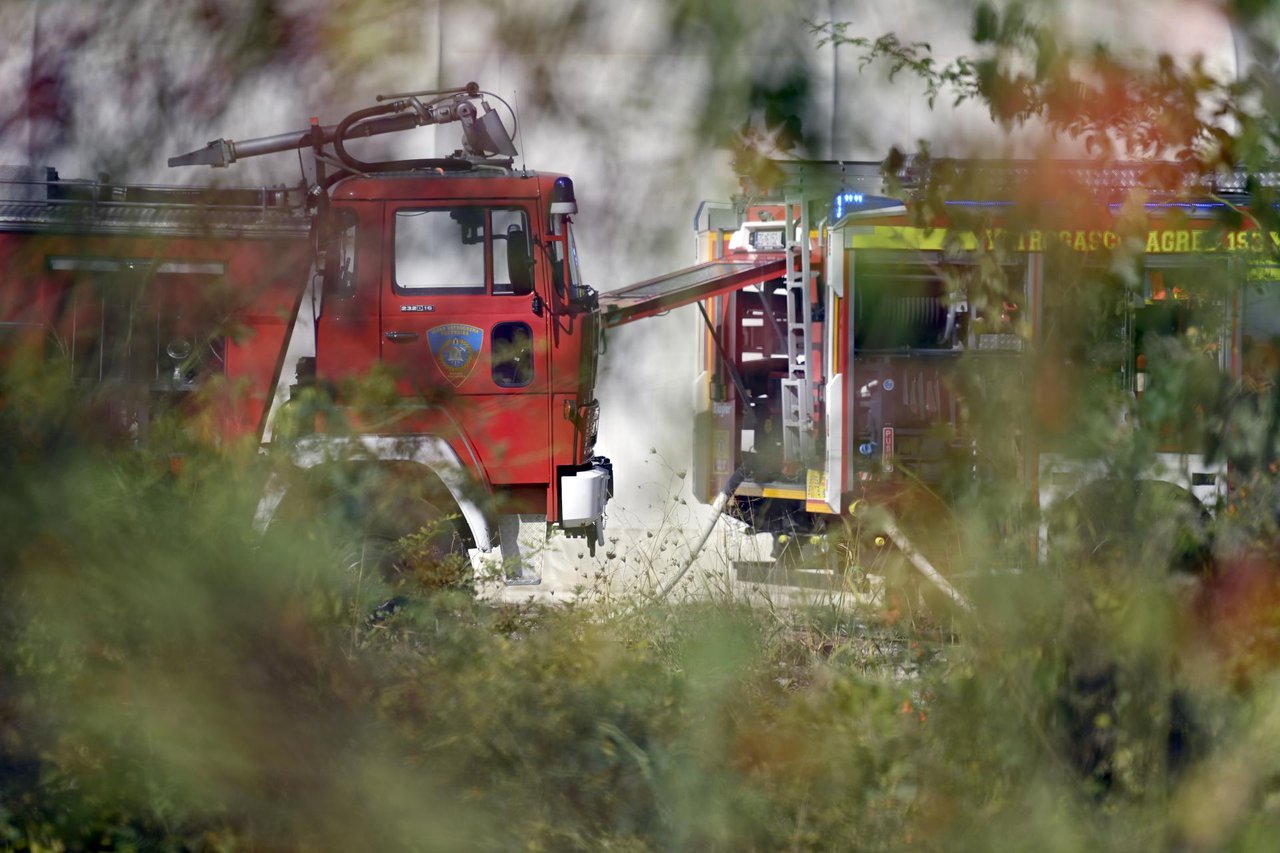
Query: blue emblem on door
{"x":456,"y":347}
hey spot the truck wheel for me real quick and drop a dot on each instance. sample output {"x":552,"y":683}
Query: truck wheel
{"x":395,"y":526}
{"x":1124,"y":522}
{"x":369,"y":565}
{"x":1107,"y":529}
{"x":421,"y":548}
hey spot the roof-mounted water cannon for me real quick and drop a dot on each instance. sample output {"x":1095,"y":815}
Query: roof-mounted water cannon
{"x":485,"y":138}
{"x":483,"y":133}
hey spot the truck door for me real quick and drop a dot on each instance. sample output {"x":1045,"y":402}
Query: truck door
{"x":461,"y":325}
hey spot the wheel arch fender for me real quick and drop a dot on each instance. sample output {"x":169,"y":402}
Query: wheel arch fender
{"x":432,"y":453}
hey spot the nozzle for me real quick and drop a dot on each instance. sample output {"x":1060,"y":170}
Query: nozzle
{"x":471,"y":90}
{"x":218,"y":153}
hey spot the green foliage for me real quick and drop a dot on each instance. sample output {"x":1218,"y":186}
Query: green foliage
{"x":915,"y":57}
{"x":1119,"y":106}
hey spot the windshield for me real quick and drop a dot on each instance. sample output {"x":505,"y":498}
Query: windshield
{"x":564,"y":252}
{"x":575,"y":276}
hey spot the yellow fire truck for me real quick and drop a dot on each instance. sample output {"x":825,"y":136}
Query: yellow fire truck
{"x":843,"y":372}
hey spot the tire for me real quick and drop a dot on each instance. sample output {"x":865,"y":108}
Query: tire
{"x":394,"y":527}
{"x":1127,"y":522}
{"x":418,"y":547}
{"x":1149,"y":530}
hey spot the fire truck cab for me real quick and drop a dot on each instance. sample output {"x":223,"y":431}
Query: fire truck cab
{"x":467,"y":289}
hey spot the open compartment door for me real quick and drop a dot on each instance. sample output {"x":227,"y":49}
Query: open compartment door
{"x":685,"y":287}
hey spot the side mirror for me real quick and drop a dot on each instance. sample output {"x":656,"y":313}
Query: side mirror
{"x":337,"y":271}
{"x":335,"y":276}
{"x":519,"y":261}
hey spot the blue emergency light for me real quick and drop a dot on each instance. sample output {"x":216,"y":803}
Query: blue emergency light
{"x":847,"y":201}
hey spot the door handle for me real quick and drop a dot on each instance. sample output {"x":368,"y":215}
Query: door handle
{"x":401,"y":337}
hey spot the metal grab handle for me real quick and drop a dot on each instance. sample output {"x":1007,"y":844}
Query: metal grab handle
{"x":401,"y":337}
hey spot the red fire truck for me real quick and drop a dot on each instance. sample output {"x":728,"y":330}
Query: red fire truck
{"x":459,"y":275}
{"x":832,"y":377}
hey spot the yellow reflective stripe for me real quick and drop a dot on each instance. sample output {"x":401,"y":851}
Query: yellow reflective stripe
{"x":903,"y":237}
{"x":792,"y":494}
{"x":1157,"y":241}
{"x":750,"y":489}
{"x":837,"y":305}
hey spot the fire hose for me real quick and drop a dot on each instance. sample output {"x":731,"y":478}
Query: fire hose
{"x":717,"y":510}
{"x":891,"y":530}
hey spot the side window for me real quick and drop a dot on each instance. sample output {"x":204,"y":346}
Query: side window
{"x":512,"y":252}
{"x":564,"y":254}
{"x":1086,"y":320}
{"x":512,"y":357}
{"x":1260,"y":336}
{"x":440,"y":249}
{"x":1184,"y":302}
{"x":143,"y":321}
